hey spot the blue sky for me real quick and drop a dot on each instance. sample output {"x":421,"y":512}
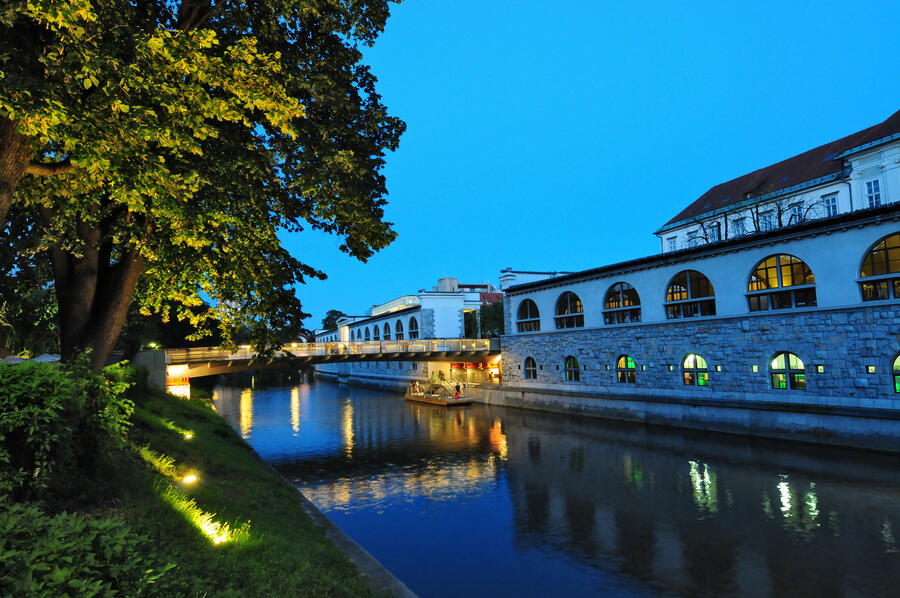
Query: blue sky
{"x":559,"y":136}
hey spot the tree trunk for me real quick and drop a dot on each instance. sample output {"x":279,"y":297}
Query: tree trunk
{"x":14,"y":154}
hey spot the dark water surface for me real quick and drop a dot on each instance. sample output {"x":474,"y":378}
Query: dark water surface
{"x":489,"y":501}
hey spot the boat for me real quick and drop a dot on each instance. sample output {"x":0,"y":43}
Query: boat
{"x":437,"y":394}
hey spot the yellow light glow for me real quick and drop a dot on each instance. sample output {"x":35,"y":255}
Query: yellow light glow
{"x":189,"y":478}
{"x":218,"y":532}
{"x":347,"y":428}
{"x":295,"y":410}
{"x":188,"y":435}
{"x":246,"y":409}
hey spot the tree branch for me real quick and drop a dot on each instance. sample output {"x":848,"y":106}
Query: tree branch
{"x":42,"y":169}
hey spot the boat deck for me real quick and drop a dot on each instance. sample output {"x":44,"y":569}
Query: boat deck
{"x":438,"y":400}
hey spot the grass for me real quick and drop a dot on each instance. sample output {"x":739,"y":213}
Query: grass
{"x":236,"y":529}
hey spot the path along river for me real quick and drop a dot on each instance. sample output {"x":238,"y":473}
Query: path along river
{"x":487,"y":501}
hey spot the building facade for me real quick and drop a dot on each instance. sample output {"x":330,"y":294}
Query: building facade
{"x":792,"y":330}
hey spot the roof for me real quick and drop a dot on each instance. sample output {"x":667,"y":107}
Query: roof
{"x":811,"y":165}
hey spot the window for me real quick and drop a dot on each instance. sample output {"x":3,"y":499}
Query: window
{"x":693,"y":239}
{"x":531,"y":369}
{"x":873,"y":193}
{"x":787,"y":371}
{"x":375,"y":332}
{"x":387,"y":331}
{"x":881,"y":269}
{"x":831,"y":207}
{"x":359,"y":335}
{"x":796,"y":213}
{"x":573,"y":374}
{"x":737,"y":227}
{"x":625,"y":370}
{"x":695,"y":370}
{"x":413,"y":328}
{"x":529,"y":320}
{"x":621,"y":304}
{"x":367,"y":334}
{"x":767,"y":221}
{"x":713,"y":232}
{"x":778,"y":272}
{"x":398,"y":330}
{"x":569,"y":311}
{"x":896,"y":370}
{"x":690,"y":294}
{"x":671,"y":243}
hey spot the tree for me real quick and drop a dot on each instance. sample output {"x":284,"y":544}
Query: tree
{"x":162,"y":147}
{"x":329,"y":322}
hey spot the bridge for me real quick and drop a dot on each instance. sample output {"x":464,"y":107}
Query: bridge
{"x":175,"y":367}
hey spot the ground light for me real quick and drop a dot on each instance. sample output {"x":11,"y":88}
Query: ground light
{"x":218,"y":532}
{"x":189,"y":478}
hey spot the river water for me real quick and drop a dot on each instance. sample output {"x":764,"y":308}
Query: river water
{"x":489,"y":501}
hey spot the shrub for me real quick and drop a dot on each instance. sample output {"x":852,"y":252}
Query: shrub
{"x":68,"y":554}
{"x":54,"y":421}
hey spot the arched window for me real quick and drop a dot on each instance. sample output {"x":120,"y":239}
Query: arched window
{"x":621,"y":304}
{"x":366,"y":335}
{"x":387,"y":331}
{"x":413,"y":328}
{"x":376,"y":333}
{"x":787,"y":371}
{"x":625,"y":370}
{"x":573,"y":374}
{"x":531,"y":368}
{"x":528,"y":319}
{"x":695,"y":370}
{"x":690,"y":294}
{"x":896,"y":371}
{"x":398,"y":330}
{"x":881,"y":269}
{"x":779,"y":272}
{"x":359,"y":335}
{"x":569,"y":311}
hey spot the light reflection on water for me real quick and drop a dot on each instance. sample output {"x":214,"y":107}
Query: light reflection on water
{"x":528,"y":504}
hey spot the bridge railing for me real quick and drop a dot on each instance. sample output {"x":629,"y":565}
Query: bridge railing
{"x":245,"y":353}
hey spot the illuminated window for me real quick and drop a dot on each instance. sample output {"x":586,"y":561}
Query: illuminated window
{"x":881,"y":269}
{"x":531,"y":369}
{"x":787,"y":372}
{"x":398,"y":330}
{"x":779,"y":272}
{"x":413,"y":328}
{"x":690,"y":294}
{"x":625,"y":370}
{"x":621,"y":304}
{"x":387,"y":331}
{"x":569,"y":311}
{"x":572,"y":372}
{"x":896,"y":372}
{"x":367,"y":334}
{"x":528,"y":319}
{"x":695,"y":370}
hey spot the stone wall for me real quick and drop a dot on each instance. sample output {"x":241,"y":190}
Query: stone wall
{"x":844,"y":342}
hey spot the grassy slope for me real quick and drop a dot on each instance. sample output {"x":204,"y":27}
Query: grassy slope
{"x":284,"y":553}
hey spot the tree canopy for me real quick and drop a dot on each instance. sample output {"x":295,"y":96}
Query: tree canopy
{"x":159,"y":149}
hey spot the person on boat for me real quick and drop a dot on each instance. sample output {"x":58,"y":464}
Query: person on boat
{"x":456,"y":394}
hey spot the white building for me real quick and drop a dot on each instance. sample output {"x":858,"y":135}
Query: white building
{"x":857,"y":172}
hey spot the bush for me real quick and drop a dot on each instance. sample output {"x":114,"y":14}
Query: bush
{"x":53,"y":421}
{"x":68,"y":554}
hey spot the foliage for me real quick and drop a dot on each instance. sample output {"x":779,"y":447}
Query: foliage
{"x":184,"y":138}
{"x":68,"y":554}
{"x":54,"y":420}
{"x":329,"y":322}
{"x":492,"y":319}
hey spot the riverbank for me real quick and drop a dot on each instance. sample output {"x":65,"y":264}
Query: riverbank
{"x":190,"y":500}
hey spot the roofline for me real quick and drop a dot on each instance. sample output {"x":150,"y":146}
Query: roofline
{"x":387,"y":314}
{"x":756,"y":199}
{"x":871,"y":144}
{"x":892,"y":211}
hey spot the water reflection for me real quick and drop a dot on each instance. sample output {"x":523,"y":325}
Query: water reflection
{"x":529,"y":503}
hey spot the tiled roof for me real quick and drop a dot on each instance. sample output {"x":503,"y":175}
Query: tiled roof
{"x":811,"y":165}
